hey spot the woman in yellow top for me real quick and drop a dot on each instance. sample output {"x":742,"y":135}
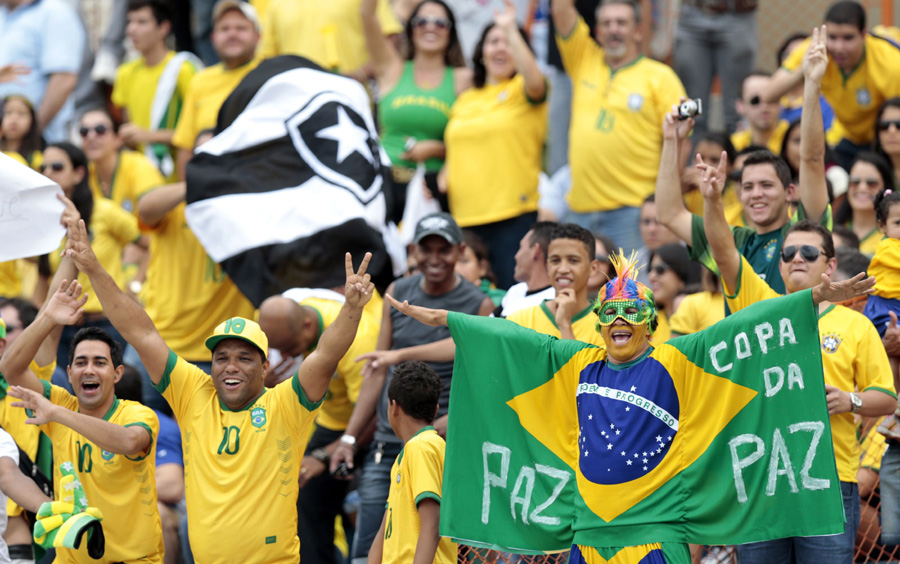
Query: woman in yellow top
{"x":673,"y":275}
{"x":887,"y":135}
{"x":869,"y":175}
{"x":19,"y":131}
{"x":494,"y":141}
{"x":110,"y":227}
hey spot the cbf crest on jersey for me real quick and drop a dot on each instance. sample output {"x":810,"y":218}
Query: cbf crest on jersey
{"x":635,"y":102}
{"x":258,"y":417}
{"x":720,"y":437}
{"x":293,"y":179}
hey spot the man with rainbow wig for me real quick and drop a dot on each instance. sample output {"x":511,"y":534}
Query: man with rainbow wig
{"x":644,"y":428}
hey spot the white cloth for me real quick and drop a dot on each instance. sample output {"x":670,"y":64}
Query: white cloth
{"x":8,"y":449}
{"x":518,"y":298}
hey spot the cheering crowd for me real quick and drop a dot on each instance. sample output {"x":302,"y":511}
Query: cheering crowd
{"x":555,"y":175}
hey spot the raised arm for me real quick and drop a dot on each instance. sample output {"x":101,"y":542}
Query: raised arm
{"x":20,"y":488}
{"x":154,"y":205}
{"x":526,"y":65}
{"x":64,"y":308}
{"x":813,"y":189}
{"x":316,"y":371}
{"x":718,"y":233}
{"x":565,"y":16}
{"x":670,"y":208}
{"x":126,"y":315}
{"x":426,"y":315}
{"x":783,"y":81}
{"x":387,"y":64}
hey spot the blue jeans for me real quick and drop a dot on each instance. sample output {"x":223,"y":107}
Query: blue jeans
{"x":621,"y":225}
{"x":889,"y":477}
{"x":559,"y":108}
{"x":831,"y":549}
{"x":373,"y":489}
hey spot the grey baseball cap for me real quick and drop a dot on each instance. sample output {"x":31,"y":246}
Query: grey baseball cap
{"x":441,"y":224}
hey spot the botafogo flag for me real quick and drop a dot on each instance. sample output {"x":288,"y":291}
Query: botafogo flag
{"x":294,"y":178}
{"x":720,"y":437}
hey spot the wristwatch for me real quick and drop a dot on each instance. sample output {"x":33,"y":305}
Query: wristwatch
{"x":855,"y":403}
{"x":321,"y":455}
{"x":349,"y":440}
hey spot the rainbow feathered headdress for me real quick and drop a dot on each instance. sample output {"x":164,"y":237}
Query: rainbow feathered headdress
{"x":625,"y":288}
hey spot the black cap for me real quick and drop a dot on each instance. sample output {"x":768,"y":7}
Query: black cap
{"x":441,"y":224}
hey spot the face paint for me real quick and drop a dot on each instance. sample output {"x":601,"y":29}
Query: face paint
{"x":629,"y":310}
{"x":625,"y":342}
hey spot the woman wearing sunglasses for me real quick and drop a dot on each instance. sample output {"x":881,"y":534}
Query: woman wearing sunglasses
{"x":111,"y":229}
{"x":869,"y":175}
{"x":417,"y":91}
{"x":673,"y":275}
{"x":887,"y":135}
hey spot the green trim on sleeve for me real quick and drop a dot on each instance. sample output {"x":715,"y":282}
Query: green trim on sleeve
{"x":738,"y":289}
{"x":301,"y":394}
{"x":888,"y":392}
{"x":48,"y":387}
{"x":427,"y":495}
{"x":569,"y":35}
{"x":543,"y":98}
{"x":149,"y":447}
{"x":164,"y":382}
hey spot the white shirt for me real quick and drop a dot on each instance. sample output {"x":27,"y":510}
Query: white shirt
{"x":8,"y":449}
{"x":518,"y":298}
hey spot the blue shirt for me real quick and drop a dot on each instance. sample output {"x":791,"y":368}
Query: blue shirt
{"x":168,"y":444}
{"x":47,"y":36}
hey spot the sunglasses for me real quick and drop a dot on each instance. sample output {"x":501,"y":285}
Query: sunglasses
{"x":884,"y":125}
{"x":422,"y":23}
{"x":98,"y":129}
{"x":755,"y":101}
{"x":807,"y":252}
{"x":870,"y":182}
{"x":659,"y":269}
{"x":55,"y":167}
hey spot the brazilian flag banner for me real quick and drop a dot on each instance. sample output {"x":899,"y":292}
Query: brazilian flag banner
{"x":720,"y":437}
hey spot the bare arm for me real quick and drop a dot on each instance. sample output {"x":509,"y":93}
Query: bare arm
{"x":126,"y":315}
{"x":170,"y":483}
{"x":428,"y":316}
{"x":718,"y":233}
{"x":59,"y":87}
{"x":670,"y":208}
{"x":154,"y":205}
{"x":386,"y":61}
{"x":813,"y":189}
{"x":130,"y":441}
{"x":181,"y":163}
{"x":376,"y":552}
{"x":875,"y":403}
{"x":783,"y":81}
{"x":316,"y":371}
{"x":526,"y":65}
{"x":20,"y":488}
{"x":565,"y":16}
{"x":430,"y":515}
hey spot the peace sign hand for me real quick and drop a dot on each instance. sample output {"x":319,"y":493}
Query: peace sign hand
{"x":359,"y":288}
{"x":815,"y":61}
{"x":712,"y":179}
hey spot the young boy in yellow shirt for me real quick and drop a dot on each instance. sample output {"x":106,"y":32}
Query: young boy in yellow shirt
{"x":409,"y":531}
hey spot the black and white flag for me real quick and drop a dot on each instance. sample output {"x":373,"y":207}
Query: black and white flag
{"x":294,"y":178}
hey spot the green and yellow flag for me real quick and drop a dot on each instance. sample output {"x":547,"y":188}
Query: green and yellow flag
{"x":720,"y":437}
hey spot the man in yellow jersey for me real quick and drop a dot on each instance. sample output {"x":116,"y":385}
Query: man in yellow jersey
{"x":761,"y":118}
{"x":619,"y":99}
{"x":571,"y":262}
{"x":243,"y":444}
{"x":294,"y":323}
{"x":857,"y":373}
{"x":861,"y":75}
{"x":327,"y":33}
{"x":235,"y":36}
{"x":151,"y":89}
{"x":112,"y":442}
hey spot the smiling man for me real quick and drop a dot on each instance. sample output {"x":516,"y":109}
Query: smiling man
{"x":112,"y":441}
{"x":243,"y":443}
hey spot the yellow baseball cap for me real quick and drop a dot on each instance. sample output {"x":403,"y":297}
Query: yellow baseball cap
{"x":239,"y":328}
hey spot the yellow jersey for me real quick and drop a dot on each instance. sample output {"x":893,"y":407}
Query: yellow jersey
{"x":885,"y":267}
{"x":621,"y":111}
{"x":111,"y":229}
{"x":187,"y":294}
{"x":241,"y":468}
{"x":743,"y":139}
{"x":663,"y":332}
{"x":123,"y":488}
{"x":696,"y":312}
{"x":495,"y":139}
{"x":343,"y":391}
{"x":16,"y":157}
{"x":135,"y":87}
{"x":417,"y":474}
{"x":327,"y":33}
{"x":853,"y":358}
{"x":14,"y":275}
{"x":856,"y":97}
{"x":869,"y":243}
{"x":134,"y":176}
{"x":542,"y":320}
{"x":205,"y":95}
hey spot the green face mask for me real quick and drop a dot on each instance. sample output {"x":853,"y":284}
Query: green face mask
{"x":611,"y":310}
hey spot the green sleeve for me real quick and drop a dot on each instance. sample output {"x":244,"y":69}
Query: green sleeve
{"x":699,"y":247}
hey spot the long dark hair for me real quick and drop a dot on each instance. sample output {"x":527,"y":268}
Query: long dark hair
{"x":453,"y":55}
{"x":81,"y":193}
{"x":845,"y":212}
{"x":876,"y":144}
{"x":479,"y":71}
{"x":32,"y":141}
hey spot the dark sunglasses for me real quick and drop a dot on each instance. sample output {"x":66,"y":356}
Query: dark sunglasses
{"x":55,"y":167}
{"x":755,"y":101}
{"x":659,"y":269}
{"x":884,"y":125}
{"x":807,"y":252}
{"x":98,"y":129}
{"x":422,"y":23}
{"x":870,"y":182}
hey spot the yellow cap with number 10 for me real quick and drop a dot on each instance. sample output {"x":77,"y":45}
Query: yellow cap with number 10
{"x":239,"y":328}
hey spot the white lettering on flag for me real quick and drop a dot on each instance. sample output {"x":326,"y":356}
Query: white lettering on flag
{"x":632,"y":398}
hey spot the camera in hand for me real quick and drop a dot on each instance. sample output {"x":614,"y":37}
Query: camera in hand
{"x":690,"y":108}
{"x":341,"y":471}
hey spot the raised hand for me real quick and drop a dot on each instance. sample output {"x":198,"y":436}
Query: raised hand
{"x":506,"y":18}
{"x":565,"y":306}
{"x":376,"y":360}
{"x":844,"y":290}
{"x":673,"y":128}
{"x":712,"y":179}
{"x":12,"y":71}
{"x":39,"y":409}
{"x":815,"y":61}
{"x":70,"y":213}
{"x":428,"y":316}
{"x":891,"y":339}
{"x":66,"y":305}
{"x":359,"y":288}
{"x":78,"y":248}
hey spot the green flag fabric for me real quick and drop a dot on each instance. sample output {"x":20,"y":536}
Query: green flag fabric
{"x":720,"y":437}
